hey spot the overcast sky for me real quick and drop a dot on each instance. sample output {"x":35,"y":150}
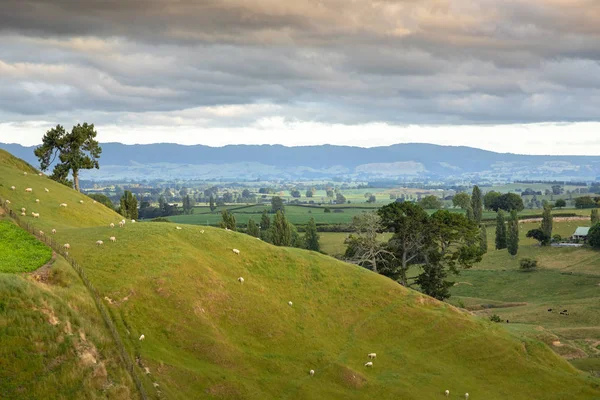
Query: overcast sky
{"x":513,"y":75}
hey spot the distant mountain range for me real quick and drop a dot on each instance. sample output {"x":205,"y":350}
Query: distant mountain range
{"x":269,"y":162}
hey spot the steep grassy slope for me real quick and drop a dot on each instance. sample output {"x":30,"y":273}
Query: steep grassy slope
{"x":53,"y":343}
{"x":208,"y":336}
{"x":19,"y":250}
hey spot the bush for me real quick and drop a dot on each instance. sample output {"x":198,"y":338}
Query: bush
{"x":160,"y":219}
{"x":557,"y":238}
{"x":327,"y":210}
{"x":593,"y":237}
{"x":58,"y":277}
{"x":528,"y":264}
{"x":495,"y":318}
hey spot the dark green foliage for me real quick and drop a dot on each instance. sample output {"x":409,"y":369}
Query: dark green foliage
{"x":295,"y":193}
{"x":327,"y":210}
{"x":489,"y":199}
{"x":539,"y":235}
{"x":512,"y":237}
{"x":277,"y":204}
{"x":76,"y":150}
{"x":594,"y":216}
{"x":469,"y":214}
{"x":228,"y":221}
{"x":281,"y":232}
{"x":547,"y":225}
{"x":102,"y":199}
{"x":500,"y":231}
{"x":477,"y":203}
{"x":213,"y":206}
{"x":253,"y":229}
{"x":188,"y":205}
{"x":528,"y":264}
{"x":585,"y":202}
{"x":311,"y":236}
{"x":430,"y":203}
{"x":508,"y":202}
{"x":557,"y":238}
{"x":339,"y":198}
{"x":309,"y":193}
{"x":160,"y":219}
{"x":593,"y":237}
{"x":495,"y":318}
{"x":462,"y":200}
{"x":433,"y":281}
{"x":372,"y":199}
{"x":265,"y":221}
{"x":483,"y":244}
{"x":128,"y":205}
{"x":560,"y":203}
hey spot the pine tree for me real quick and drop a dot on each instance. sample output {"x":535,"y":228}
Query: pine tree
{"x":513,"y":233}
{"x":253,"y":229}
{"x":265,"y":225}
{"x":281,"y":233}
{"x":311,"y":236}
{"x":477,"y":203}
{"x":500,"y":231}
{"x":129,"y":205}
{"x":213,"y":207}
{"x":594,"y":216}
{"x":547,"y":222}
{"x":483,"y":245}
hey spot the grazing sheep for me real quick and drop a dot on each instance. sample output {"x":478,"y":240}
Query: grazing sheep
{"x":312,"y":372}
{"x":41,"y":233}
{"x":369,"y":364}
{"x":121,"y":224}
{"x":113,"y":239}
{"x":7,"y":201}
{"x":12,"y":188}
{"x":25,"y":173}
{"x":23,"y":214}
{"x":227,"y":229}
{"x":40,"y":174}
{"x":142,"y":337}
{"x":241,"y":280}
{"x":36,"y":215}
{"x":46,"y":190}
{"x":63,"y":205}
{"x":133,"y":221}
{"x":236,"y":251}
{"x":54,"y":231}
{"x":28,"y":190}
{"x":155,"y":384}
{"x":66,"y":246}
{"x":99,"y":242}
{"x":372,"y":355}
{"x":112,"y":225}
{"x":37,"y":200}
{"x":466,"y":395}
{"x":95,"y":201}
{"x":447,"y":393}
{"x":147,"y":370}
{"x":80,"y":201}
{"x":290,"y":303}
{"x":178,"y":228}
{"x":23,"y":209}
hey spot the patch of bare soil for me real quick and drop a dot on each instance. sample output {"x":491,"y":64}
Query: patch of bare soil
{"x":49,"y":313}
{"x":42,"y":274}
{"x":353,"y":379}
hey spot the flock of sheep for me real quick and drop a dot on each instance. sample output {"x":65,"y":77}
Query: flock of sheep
{"x":67,"y":246}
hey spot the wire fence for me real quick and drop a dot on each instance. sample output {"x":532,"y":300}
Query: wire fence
{"x":58,"y":248}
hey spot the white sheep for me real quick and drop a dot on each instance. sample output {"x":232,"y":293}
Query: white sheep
{"x":133,"y":221}
{"x":95,"y":202}
{"x":63,"y":205}
{"x":147,"y":370}
{"x":28,"y":190}
{"x":466,"y":395}
{"x":37,"y":200}
{"x":202,"y":231}
{"x":155,"y":384}
{"x":241,"y":280}
{"x":36,"y":215}
{"x":40,"y":174}
{"x":25,"y":173}
{"x":112,"y":225}
{"x":312,"y":372}
{"x":372,"y":355}
{"x":178,"y":228}
{"x":80,"y":201}
{"x":23,"y":209}
{"x":54,"y":231}
{"x":41,"y":233}
{"x":369,"y":364}
{"x":447,"y":393}
{"x":12,"y":188}
{"x":46,"y":190}
{"x":121,"y":224}
{"x":7,"y":201}
{"x":236,"y":251}
{"x":290,"y":303}
{"x":113,"y":239}
{"x":66,"y":246}
{"x":23,"y":214}
{"x":142,"y":337}
{"x":99,"y":242}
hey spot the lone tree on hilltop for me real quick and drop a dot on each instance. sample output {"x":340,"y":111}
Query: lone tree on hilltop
{"x":500,"y":231}
{"x":76,"y":150}
{"x":477,"y":203}
{"x":128,"y":206}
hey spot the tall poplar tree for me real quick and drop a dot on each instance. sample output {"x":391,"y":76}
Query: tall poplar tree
{"x":500,"y":231}
{"x":547,"y":223}
{"x":477,"y":204}
{"x":253,"y":229}
{"x":483,"y":245}
{"x":281,"y":232}
{"x":129,"y":205}
{"x":513,"y":233}
{"x":311,"y":236}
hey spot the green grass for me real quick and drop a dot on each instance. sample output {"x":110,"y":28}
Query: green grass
{"x":20,"y":251}
{"x":207,"y":336}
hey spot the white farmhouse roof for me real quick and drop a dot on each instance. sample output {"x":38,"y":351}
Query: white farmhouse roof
{"x":581,"y":231}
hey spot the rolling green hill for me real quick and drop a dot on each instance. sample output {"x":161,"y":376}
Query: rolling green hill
{"x":208,"y":336}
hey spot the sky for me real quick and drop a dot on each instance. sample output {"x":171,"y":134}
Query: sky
{"x":510,"y":76}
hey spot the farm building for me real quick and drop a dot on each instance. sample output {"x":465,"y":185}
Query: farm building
{"x":581,"y":233}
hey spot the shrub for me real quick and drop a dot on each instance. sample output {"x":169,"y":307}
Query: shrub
{"x":495,"y":318}
{"x":528,"y":264}
{"x":557,"y":238}
{"x":58,"y":277}
{"x":160,"y":219}
{"x":327,"y":210}
{"x":593,"y":237}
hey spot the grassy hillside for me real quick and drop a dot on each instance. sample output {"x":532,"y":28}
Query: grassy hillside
{"x":19,"y":250}
{"x":208,"y":336}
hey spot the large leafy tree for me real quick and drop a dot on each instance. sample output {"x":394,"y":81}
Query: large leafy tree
{"x":462,"y":200}
{"x":410,"y":224}
{"x":477,"y":203}
{"x":76,"y":150}
{"x":508,"y":202}
{"x":311,"y":236}
{"x":277,"y":204}
{"x":430,"y":203}
{"x":489,"y":199}
{"x":594,"y":218}
{"x":228,"y":221}
{"x":253,"y":229}
{"x":593,"y":237}
{"x":281,"y":230}
{"x":129,"y":205}
{"x":364,"y":248}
